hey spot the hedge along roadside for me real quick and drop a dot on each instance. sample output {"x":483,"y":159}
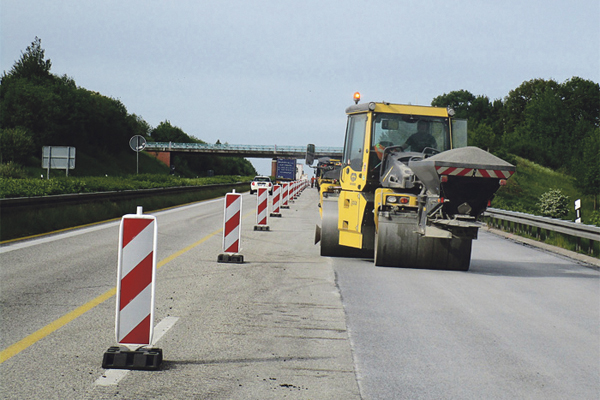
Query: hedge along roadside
{"x":21,"y":217}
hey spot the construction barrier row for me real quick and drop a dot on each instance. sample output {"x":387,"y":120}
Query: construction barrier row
{"x":283,"y":195}
{"x":136,"y":272}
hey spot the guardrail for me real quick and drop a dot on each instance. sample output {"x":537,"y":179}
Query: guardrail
{"x":83,"y":198}
{"x":27,"y":216}
{"x":534,"y":226}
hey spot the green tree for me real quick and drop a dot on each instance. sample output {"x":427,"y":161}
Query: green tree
{"x":32,"y":106}
{"x":483,"y":136}
{"x":138,"y":125}
{"x":32,"y":64}
{"x":485,"y":122}
{"x":587,"y":176}
{"x":547,"y":128}
{"x":459,"y":100}
{"x":16,"y":145}
{"x":581,"y":98}
{"x":517,"y":100}
{"x":165,"y":132}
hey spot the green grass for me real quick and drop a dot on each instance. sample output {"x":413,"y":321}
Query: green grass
{"x":12,"y":188}
{"x":523,"y":191}
{"x":26,"y":221}
{"x":531,"y":180}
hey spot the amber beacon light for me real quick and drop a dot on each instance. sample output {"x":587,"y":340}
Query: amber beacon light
{"x":356,"y":97}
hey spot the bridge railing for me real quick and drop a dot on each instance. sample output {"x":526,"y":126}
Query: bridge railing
{"x":539,"y":227}
{"x":171,"y":146}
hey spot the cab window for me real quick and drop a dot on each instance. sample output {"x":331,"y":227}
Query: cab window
{"x":413,"y":133}
{"x":355,"y":140}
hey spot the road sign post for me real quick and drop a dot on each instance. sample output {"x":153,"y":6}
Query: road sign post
{"x":58,"y":157}
{"x":137,"y":144}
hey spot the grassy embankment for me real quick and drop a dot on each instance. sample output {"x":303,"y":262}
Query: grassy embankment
{"x":524,"y":189}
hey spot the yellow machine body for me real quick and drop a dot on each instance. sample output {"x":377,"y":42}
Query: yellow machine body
{"x":360,"y":195}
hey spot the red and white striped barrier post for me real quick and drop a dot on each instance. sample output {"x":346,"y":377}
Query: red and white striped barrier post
{"x":262,"y":206}
{"x":232,"y":229}
{"x":292,"y":191}
{"x":286,"y":192}
{"x":136,"y":273}
{"x":276,"y":201}
{"x":135,"y":280}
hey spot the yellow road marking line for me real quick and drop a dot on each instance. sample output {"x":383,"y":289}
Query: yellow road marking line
{"x":22,"y":344}
{"x":41,"y":333}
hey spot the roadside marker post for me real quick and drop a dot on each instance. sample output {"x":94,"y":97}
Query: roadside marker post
{"x":232,"y":228}
{"x":578,"y":211}
{"x":284,"y":202}
{"x":262,"y":212}
{"x":276,"y":201}
{"x":136,"y":276}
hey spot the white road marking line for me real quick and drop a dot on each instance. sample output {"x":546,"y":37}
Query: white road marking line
{"x":162,"y":327}
{"x":54,"y":237}
{"x":5,"y":248}
{"x":114,"y":376}
{"x":111,"y":377}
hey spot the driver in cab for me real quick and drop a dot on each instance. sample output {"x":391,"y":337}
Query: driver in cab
{"x":417,"y":142}
{"x":421,"y":139}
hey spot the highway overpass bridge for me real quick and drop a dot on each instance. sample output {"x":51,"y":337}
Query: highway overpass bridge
{"x":163,"y":150}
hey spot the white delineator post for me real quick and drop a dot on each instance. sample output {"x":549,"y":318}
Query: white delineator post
{"x":136,"y":274}
{"x":232,"y":228}
{"x":262,"y":203}
{"x":276,"y":201}
{"x":578,"y":211}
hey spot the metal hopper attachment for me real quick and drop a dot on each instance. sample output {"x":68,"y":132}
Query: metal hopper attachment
{"x":466,"y":178}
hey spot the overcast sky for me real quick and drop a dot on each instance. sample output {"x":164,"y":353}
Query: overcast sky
{"x":283,"y":72}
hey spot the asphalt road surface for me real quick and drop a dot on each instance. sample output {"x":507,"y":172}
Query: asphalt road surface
{"x":521,"y":324}
{"x":288,"y":323}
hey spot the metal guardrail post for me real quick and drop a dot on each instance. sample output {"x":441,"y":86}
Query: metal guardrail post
{"x":516,"y":221}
